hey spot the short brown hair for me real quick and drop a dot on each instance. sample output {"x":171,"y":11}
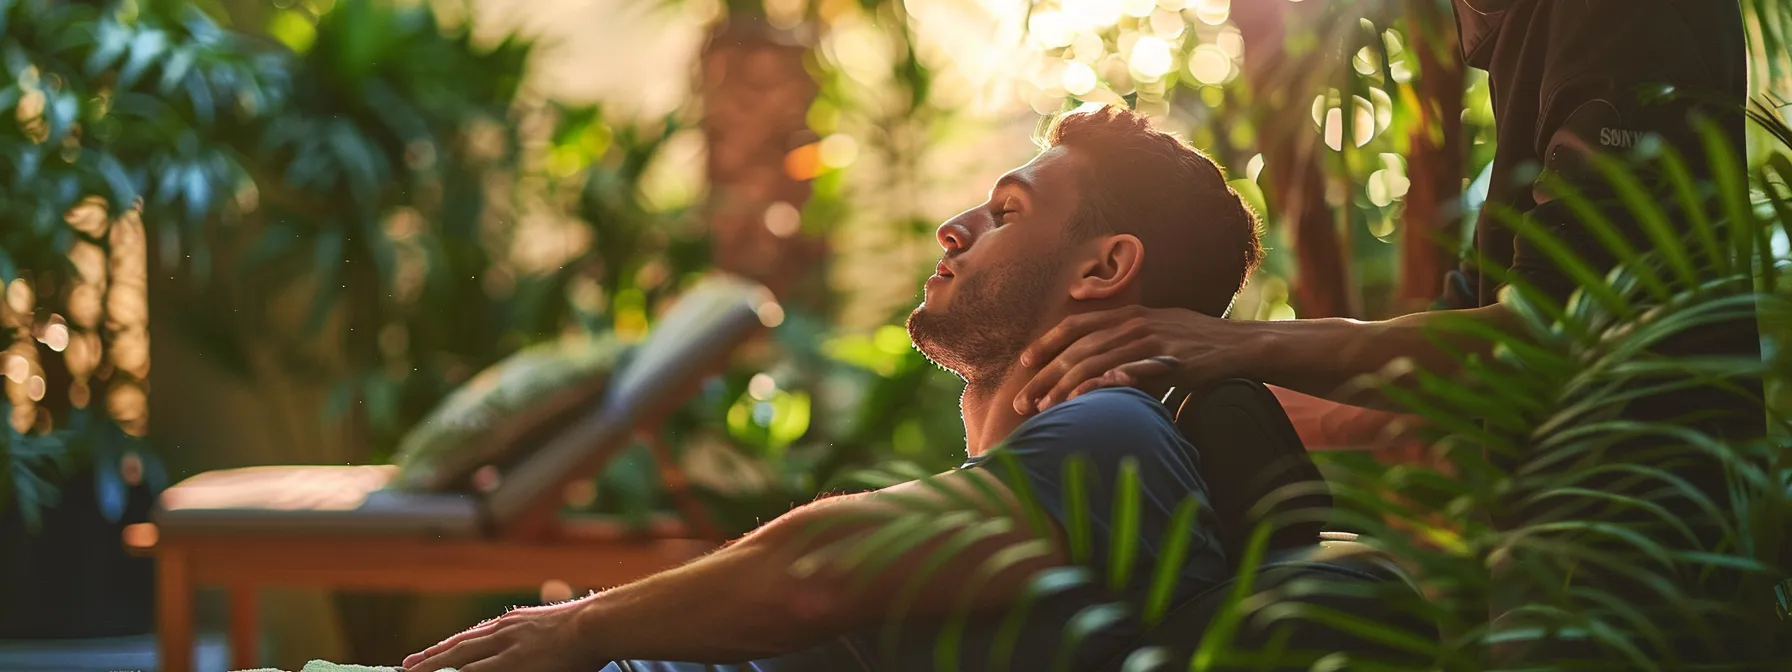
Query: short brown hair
{"x":1148,"y":183}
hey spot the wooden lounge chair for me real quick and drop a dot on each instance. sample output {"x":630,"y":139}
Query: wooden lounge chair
{"x":338,"y":527}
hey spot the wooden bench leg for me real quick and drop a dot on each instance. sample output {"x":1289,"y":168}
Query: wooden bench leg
{"x":174,"y":611}
{"x":245,"y":628}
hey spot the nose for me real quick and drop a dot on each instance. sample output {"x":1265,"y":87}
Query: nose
{"x":953,"y":235}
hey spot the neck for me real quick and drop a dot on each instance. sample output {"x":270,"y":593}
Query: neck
{"x":988,"y":408}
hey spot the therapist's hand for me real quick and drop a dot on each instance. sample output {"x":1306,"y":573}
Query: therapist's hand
{"x":1126,"y":347}
{"x":531,"y":639}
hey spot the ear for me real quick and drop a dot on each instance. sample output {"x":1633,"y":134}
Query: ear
{"x":1110,"y":270}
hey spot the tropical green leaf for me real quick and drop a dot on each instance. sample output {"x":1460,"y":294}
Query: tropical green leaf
{"x":1218,"y":638}
{"x":1171,"y":555}
{"x":1123,"y":530}
{"x":1077,"y":527}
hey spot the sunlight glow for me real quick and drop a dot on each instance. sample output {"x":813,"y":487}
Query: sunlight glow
{"x":1385,"y":187}
{"x":17,"y":368}
{"x":1050,"y":29}
{"x":1232,"y":42}
{"x":770,"y":314}
{"x":1213,"y":12}
{"x":555,"y":590}
{"x":803,"y":163}
{"x":1367,"y":61}
{"x":1085,"y":14}
{"x":1087,"y":48}
{"x":1166,"y":24}
{"x":1329,"y":116}
{"x":761,"y":387}
{"x":56,"y":334}
{"x":839,"y":150}
{"x":783,"y":219}
{"x":1209,"y":65}
{"x":1078,"y":79}
{"x":1151,"y":58}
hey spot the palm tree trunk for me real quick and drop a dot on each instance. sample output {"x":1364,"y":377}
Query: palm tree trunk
{"x":756,"y":96}
{"x":1431,"y":222}
{"x":1291,"y":159}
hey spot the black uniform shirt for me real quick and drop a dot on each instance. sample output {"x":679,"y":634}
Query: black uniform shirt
{"x":1574,"y":75}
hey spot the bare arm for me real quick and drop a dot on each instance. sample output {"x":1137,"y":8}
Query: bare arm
{"x":768,"y":595}
{"x":1328,"y":425}
{"x":787,"y":585}
{"x":1135,"y":345}
{"x":1322,"y":357}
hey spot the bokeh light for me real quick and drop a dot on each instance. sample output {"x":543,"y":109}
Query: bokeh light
{"x":839,"y":150}
{"x":1209,"y":64}
{"x":1092,"y":13}
{"x":1167,"y":25}
{"x":1049,"y":29}
{"x":1328,"y":114}
{"x":761,"y":386}
{"x":1151,"y":58}
{"x":783,"y":219}
{"x":1078,"y":79}
{"x":1213,"y":12}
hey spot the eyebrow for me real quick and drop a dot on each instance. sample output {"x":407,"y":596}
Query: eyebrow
{"x":1015,"y":180}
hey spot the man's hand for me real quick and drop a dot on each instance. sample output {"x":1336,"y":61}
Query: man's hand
{"x":1128,"y":346}
{"x":532,"y":639}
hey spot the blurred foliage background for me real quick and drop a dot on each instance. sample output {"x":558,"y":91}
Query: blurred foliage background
{"x":318,"y":217}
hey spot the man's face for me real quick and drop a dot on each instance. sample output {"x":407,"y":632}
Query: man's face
{"x":1003,"y":273}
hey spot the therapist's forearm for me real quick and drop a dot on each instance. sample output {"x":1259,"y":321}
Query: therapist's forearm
{"x":1327,"y":425}
{"x":1320,"y":357}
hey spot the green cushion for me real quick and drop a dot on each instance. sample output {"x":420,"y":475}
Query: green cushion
{"x":497,"y":415}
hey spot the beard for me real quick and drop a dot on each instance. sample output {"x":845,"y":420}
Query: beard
{"x":989,"y":321}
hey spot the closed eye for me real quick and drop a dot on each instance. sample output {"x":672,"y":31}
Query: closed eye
{"x":1003,"y":211}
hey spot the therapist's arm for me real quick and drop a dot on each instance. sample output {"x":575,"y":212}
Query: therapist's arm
{"x":1321,"y":357}
{"x":1329,"y":425}
{"x":1318,"y":357}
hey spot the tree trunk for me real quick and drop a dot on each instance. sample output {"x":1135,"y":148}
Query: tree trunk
{"x":1292,"y":162}
{"x":1432,"y":219}
{"x":756,"y":96}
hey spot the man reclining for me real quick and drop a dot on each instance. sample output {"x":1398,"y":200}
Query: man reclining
{"x":1111,"y":214}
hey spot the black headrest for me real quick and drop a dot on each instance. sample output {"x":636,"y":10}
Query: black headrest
{"x":1254,"y":464}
